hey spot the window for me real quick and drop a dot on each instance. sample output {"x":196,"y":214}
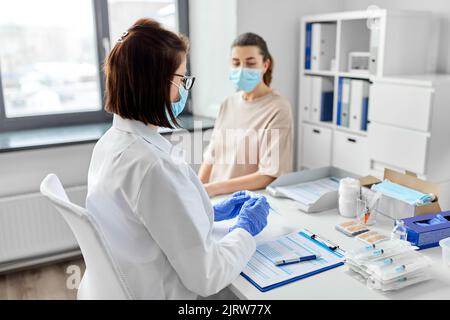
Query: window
{"x":50,"y":67}
{"x":123,"y":13}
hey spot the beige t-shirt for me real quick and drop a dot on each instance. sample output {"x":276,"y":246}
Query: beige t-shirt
{"x":251,"y":136}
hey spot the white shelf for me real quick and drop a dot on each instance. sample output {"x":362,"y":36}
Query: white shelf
{"x":397,"y":45}
{"x":350,"y":131}
{"x":345,"y":15}
{"x":336,"y":127}
{"x":355,"y":75}
{"x":320,"y":73}
{"x":321,"y":123}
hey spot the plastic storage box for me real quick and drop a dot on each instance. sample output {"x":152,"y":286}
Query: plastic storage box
{"x":445,"y":245}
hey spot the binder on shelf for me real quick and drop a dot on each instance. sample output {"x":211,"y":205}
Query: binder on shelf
{"x":359,"y":90}
{"x":308,"y":46}
{"x":306,"y":91}
{"x":339,"y":101}
{"x":365,"y":114}
{"x":374,"y":43}
{"x":321,"y":99}
{"x":323,"y":45}
{"x":345,"y":103}
{"x":326,"y":111}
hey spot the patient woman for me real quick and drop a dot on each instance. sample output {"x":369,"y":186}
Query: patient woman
{"x":252,"y":141}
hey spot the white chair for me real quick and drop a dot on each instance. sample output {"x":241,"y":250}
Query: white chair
{"x":102,"y":279}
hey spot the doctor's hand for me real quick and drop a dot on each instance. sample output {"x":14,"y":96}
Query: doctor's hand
{"x":253,"y":215}
{"x":230,"y":207}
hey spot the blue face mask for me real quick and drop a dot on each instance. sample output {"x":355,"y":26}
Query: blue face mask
{"x":245,"y":79}
{"x":405,"y":194}
{"x":178,"y":107}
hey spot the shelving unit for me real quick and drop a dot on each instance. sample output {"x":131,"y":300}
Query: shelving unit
{"x":397,"y":43}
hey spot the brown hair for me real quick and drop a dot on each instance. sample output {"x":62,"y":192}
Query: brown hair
{"x":252,"y":39}
{"x":138,"y":72}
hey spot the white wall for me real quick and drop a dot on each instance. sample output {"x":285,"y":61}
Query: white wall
{"x":212,"y":28}
{"x":22,"y":172}
{"x":278,"y":22}
{"x":441,"y":14}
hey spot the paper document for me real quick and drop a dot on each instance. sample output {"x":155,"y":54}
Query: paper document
{"x":262,"y":270}
{"x":309,"y":192}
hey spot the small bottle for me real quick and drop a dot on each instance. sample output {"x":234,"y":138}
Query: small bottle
{"x":399,"y":231}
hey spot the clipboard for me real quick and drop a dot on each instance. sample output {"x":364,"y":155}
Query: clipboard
{"x":315,"y":241}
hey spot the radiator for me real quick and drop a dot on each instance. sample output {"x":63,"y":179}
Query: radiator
{"x":32,"y":230}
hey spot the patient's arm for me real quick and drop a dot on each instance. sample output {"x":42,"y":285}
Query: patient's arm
{"x":205,"y":172}
{"x":252,"y":181}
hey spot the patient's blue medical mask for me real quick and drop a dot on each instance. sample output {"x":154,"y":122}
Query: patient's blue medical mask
{"x":245,"y":79}
{"x":178,"y":106}
{"x":397,"y":191}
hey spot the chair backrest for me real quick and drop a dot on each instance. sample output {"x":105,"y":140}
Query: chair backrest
{"x":102,"y":279}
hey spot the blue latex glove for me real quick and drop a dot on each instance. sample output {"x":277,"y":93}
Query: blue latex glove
{"x":230,"y":207}
{"x":253,"y":215}
{"x":436,"y":220}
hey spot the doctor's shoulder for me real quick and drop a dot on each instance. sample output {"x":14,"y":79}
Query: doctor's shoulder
{"x":140,"y":154}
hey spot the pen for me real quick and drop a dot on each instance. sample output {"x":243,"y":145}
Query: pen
{"x":283,"y":262}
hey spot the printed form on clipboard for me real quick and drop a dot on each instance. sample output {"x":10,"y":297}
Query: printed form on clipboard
{"x":265,"y":275}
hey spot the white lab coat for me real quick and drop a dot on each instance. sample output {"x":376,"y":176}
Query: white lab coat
{"x":157,"y":219}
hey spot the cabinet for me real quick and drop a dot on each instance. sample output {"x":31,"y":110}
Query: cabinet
{"x":409,"y":127}
{"x":350,"y":152}
{"x":316,"y":151}
{"x":400,"y":128}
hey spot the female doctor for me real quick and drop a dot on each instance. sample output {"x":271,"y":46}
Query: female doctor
{"x":154,"y":214}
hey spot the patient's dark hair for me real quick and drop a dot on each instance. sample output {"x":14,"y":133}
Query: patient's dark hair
{"x":138,"y":72}
{"x":252,"y":39}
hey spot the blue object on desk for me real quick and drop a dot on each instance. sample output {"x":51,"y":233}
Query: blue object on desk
{"x":425,"y":231}
{"x":285,"y":262}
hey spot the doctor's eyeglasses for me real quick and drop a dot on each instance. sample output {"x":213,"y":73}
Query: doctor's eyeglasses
{"x":187,"y":81}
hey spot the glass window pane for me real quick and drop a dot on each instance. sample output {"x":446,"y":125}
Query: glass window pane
{"x":123,"y":13}
{"x":48,"y":57}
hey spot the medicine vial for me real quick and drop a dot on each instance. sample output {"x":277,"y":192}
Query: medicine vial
{"x":399,"y":231}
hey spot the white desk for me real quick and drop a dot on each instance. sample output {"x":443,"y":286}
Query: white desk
{"x":338,"y":282}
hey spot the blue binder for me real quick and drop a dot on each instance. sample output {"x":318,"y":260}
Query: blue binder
{"x":328,"y":245}
{"x":339,"y":102}
{"x":308,"y":40}
{"x":326,"y":110}
{"x":365,"y":113}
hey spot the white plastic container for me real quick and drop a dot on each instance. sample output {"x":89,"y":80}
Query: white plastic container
{"x":348,"y":208}
{"x":349,"y":193}
{"x":445,"y":245}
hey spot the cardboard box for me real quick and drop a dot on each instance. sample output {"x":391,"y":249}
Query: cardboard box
{"x":397,"y":209}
